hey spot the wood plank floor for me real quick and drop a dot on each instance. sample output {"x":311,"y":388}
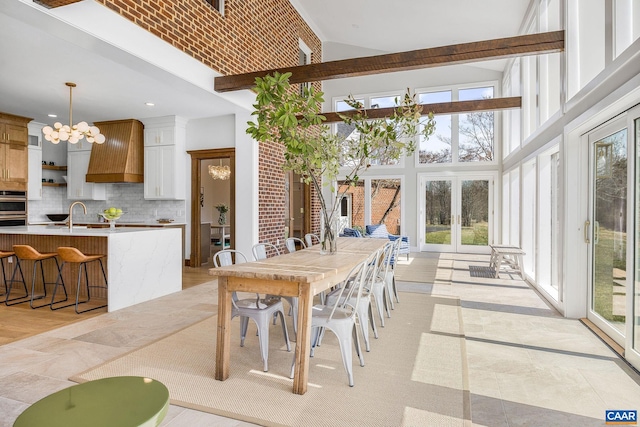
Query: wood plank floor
{"x":20,"y":321}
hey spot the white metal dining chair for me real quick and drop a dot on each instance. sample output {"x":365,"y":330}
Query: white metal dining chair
{"x":311,"y":239}
{"x":260,"y":310}
{"x":340,"y":318}
{"x":363,"y":306}
{"x":291,"y":243}
{"x":390,"y":275}
{"x":379,"y":284}
{"x":260,"y":252}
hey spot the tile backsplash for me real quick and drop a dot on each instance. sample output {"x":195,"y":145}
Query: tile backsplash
{"x":128,"y":197}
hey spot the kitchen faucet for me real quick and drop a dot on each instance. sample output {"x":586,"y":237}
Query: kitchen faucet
{"x":71,"y":212}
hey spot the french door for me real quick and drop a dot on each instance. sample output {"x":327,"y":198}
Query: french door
{"x":457,"y":212}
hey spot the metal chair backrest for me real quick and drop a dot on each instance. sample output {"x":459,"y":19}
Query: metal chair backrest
{"x":311,"y":239}
{"x":390,"y":253}
{"x":225,"y":257}
{"x":260,"y":250}
{"x":357,"y":277}
{"x":291,"y":242}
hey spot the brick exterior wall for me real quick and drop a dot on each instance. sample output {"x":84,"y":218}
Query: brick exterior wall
{"x":252,"y":35}
{"x":378,"y":207}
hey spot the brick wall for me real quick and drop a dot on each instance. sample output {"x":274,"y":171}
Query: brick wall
{"x":379,"y":205}
{"x":252,"y":35}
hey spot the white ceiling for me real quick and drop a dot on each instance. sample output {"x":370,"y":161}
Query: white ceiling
{"x":40,"y":52}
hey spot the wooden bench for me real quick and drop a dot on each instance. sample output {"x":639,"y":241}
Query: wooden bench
{"x":507,"y":256}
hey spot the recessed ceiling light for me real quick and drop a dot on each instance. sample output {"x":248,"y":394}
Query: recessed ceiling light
{"x":149,"y":104}
{"x":52,"y":115}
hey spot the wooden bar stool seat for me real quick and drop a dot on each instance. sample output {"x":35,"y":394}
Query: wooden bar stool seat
{"x":28,"y":253}
{"x":71,"y":255}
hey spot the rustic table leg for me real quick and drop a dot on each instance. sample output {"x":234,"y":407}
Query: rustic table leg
{"x":223,"y":340}
{"x":303,"y":341}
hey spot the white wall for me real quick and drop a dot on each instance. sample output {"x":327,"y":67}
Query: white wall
{"x":229,"y":132}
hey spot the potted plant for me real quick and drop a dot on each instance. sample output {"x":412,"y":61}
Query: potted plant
{"x":311,"y":150}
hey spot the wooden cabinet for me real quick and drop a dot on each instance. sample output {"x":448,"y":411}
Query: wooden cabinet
{"x":165,"y":159}
{"x":77,"y":186}
{"x":14,"y":167}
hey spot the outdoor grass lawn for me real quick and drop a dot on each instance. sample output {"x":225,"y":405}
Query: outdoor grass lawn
{"x":605,"y":260}
{"x":476,"y":235}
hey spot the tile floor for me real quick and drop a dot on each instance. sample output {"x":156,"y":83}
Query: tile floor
{"x":528,"y":366}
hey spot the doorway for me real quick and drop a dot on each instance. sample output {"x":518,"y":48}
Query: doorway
{"x":203,"y":204}
{"x":298,"y":202}
{"x":456,"y":212}
{"x":607,"y":226}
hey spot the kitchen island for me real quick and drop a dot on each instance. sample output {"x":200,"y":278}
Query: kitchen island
{"x":141,"y":264}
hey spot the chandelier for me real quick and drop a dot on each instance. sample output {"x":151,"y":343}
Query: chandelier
{"x":219,"y":172}
{"x":72,"y":133}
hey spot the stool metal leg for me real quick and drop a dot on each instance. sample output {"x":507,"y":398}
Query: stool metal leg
{"x":86,"y":281}
{"x":25,"y":298}
{"x":44,"y":286}
{"x":4,"y":276}
{"x":59,"y":281}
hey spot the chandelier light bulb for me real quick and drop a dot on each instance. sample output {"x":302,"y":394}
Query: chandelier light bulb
{"x":72,"y":133}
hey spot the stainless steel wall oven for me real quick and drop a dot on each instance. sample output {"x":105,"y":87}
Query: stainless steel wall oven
{"x":13,"y":208}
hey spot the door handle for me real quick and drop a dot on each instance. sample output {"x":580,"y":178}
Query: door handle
{"x":587,"y":224}
{"x":596,"y":232}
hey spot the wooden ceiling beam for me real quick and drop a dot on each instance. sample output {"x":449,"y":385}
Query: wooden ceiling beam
{"x":458,"y":107}
{"x":51,"y":4}
{"x":424,"y":58}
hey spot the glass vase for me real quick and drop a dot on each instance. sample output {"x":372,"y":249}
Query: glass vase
{"x":329,"y":236}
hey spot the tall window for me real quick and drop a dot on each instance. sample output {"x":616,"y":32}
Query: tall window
{"x":459,"y":138}
{"x":476,"y":129}
{"x":437,"y":149}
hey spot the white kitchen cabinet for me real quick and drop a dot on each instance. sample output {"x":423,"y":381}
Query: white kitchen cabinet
{"x":81,"y":145}
{"x":34,"y":188}
{"x":165,"y":158}
{"x":77,"y":187}
{"x":164,"y":135}
{"x":164,"y":178}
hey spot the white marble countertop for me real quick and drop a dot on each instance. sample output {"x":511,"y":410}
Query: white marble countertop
{"x":58,"y":230}
{"x":106,"y":224}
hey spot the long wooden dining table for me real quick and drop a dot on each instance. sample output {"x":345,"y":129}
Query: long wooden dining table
{"x":301,"y":274}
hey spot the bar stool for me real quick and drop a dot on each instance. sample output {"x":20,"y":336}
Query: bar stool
{"x":7,"y":255}
{"x":70,"y":255}
{"x":28,"y":253}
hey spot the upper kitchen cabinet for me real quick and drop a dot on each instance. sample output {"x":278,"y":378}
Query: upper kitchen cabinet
{"x":77,"y":186}
{"x":163,"y":135}
{"x":14,"y":167}
{"x":165,"y":158}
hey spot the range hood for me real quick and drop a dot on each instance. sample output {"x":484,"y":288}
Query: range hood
{"x":121,"y":157}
